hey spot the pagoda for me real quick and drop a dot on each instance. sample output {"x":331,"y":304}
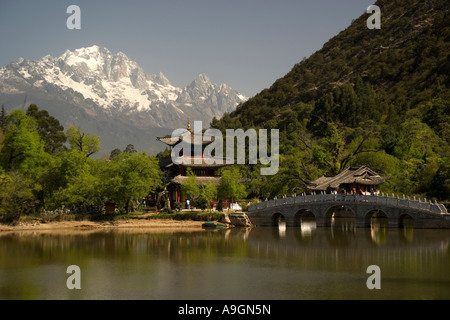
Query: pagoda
{"x":176,"y":174}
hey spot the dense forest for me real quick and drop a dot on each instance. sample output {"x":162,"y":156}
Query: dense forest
{"x":44,"y":168}
{"x":369,"y":97}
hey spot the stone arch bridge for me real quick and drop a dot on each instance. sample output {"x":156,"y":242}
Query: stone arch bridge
{"x":361,"y":207}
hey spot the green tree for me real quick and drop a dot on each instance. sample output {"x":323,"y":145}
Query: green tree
{"x":16,"y":197}
{"x":3,"y":120}
{"x":130,"y":177}
{"x":61,"y":178}
{"x":114,"y":153}
{"x":82,"y":192}
{"x":88,"y":144}
{"x":437,"y":117}
{"x":130,"y":149}
{"x":441,"y":182}
{"x":416,"y":140}
{"x":1,"y":139}
{"x":189,"y":187}
{"x":208,"y":192}
{"x":49,"y":129}
{"x":231,"y":186}
{"x":23,"y":149}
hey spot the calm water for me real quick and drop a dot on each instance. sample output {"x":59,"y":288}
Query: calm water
{"x":264,"y":263}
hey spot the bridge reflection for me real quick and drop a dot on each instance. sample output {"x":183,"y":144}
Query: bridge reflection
{"x":341,"y":229}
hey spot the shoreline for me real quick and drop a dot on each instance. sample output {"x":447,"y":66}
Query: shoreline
{"x":153,"y":224}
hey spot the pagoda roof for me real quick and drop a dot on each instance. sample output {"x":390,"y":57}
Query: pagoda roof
{"x":203,"y":181}
{"x":186,"y":136}
{"x":358,"y":175}
{"x":168,"y":163}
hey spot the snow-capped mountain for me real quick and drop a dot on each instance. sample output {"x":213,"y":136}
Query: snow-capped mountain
{"x":93,"y":85}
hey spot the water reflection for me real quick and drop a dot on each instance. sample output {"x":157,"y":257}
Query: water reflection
{"x":307,"y":228}
{"x":282,"y":229}
{"x":379,"y":230}
{"x":303,"y":262}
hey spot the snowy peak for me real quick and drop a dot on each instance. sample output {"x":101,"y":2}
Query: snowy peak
{"x":114,"y":83}
{"x":201,"y":80}
{"x":200,"y":88}
{"x":99,"y":61}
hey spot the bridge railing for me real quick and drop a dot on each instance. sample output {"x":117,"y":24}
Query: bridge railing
{"x":383,"y":200}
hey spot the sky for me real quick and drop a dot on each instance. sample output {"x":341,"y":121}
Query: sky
{"x":247,"y":44}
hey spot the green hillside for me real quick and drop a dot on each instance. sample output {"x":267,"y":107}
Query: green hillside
{"x":374,"y":97}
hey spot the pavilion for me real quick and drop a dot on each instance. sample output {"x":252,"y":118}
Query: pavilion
{"x":351,"y":180}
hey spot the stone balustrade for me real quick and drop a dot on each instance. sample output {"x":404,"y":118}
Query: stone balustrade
{"x":381,"y":200}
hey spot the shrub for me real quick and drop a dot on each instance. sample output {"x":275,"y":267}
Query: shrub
{"x":200,"y":203}
{"x":178,"y":206}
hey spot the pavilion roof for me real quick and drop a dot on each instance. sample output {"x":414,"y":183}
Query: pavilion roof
{"x":358,"y":175}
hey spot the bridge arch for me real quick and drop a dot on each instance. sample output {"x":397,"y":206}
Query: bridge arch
{"x":405,"y":221}
{"x":306,"y":221}
{"x":337,"y":213}
{"x":302,"y":216}
{"x":278,"y":219}
{"x":376,"y":218}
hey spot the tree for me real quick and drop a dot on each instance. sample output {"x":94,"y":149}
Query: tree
{"x":208,"y":192}
{"x":202,"y":194}
{"x":16,"y":197}
{"x":3,"y":116}
{"x":82,"y":192}
{"x":49,"y":129}
{"x":130,"y":177}
{"x":130,"y":149}
{"x":230,"y":186}
{"x":441,"y":182}
{"x":189,"y":187}
{"x":23,"y":149}
{"x":114,"y":153}
{"x":61,"y":178}
{"x":88,"y":144}
{"x":1,"y":139}
{"x":438,"y":118}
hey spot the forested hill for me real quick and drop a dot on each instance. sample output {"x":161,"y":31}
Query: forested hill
{"x":375,"y":97}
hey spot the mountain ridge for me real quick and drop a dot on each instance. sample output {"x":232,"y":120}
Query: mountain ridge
{"x":93,"y":84}
{"x":382,"y":58}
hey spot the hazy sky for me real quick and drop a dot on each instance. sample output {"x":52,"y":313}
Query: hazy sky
{"x":247,"y":44}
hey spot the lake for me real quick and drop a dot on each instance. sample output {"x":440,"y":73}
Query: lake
{"x":263,"y":263}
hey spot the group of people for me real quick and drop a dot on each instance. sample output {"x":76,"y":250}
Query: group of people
{"x":354,"y":192}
